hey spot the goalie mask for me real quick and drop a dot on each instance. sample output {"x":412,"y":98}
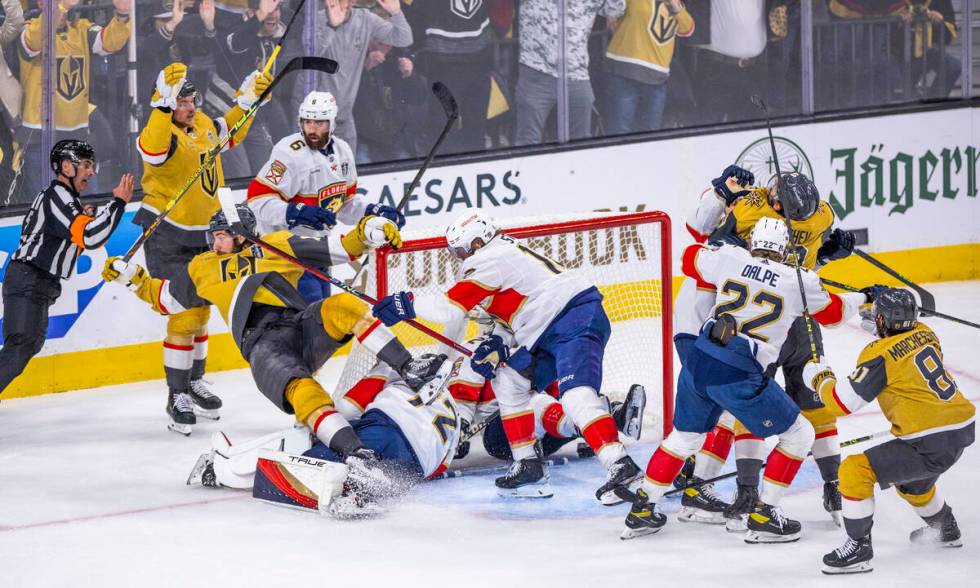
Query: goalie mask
{"x":466,"y":229}
{"x":770,"y":235}
{"x":318,"y":106}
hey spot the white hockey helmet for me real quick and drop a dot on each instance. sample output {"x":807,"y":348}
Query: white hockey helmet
{"x":770,"y":234}
{"x":318,"y":106}
{"x":467,"y":228}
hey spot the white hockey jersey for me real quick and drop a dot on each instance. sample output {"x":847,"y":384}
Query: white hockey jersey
{"x":515,"y":284}
{"x":764,"y":296}
{"x":696,"y":299}
{"x":432,"y":430}
{"x":295,"y":173}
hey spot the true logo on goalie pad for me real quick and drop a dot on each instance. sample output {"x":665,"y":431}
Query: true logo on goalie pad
{"x":297,"y":481}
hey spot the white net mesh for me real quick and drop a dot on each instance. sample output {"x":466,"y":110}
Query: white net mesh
{"x":622,"y":254}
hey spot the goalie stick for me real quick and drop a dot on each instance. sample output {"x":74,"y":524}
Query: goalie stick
{"x":924,"y":311}
{"x":451,"y":109}
{"x":313,"y":63}
{"x":843,"y":444}
{"x":757,"y":100}
{"x":228,"y":205}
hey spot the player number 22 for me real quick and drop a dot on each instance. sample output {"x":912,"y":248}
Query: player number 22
{"x":763,"y":298}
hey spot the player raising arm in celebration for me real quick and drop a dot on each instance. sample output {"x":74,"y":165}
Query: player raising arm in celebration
{"x":173,"y":144}
{"x":558,"y":322}
{"x":310,"y":182}
{"x":931,"y":420}
{"x":283,"y":340}
{"x":759,"y":297}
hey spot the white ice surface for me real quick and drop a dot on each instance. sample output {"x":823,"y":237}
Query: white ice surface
{"x":92,"y":494}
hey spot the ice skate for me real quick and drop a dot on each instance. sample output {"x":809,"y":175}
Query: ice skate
{"x":643,"y":518}
{"x":623,"y":479}
{"x":832,"y":501}
{"x":944,"y":534}
{"x":206,"y":404}
{"x":526,"y":478}
{"x":853,"y":557}
{"x":701,"y":504}
{"x":768,"y":524}
{"x":179,"y":407}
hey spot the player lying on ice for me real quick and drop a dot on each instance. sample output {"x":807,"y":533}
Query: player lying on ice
{"x":414,"y":436}
{"x":727,"y":212}
{"x":284,"y":340}
{"x":477,"y":403}
{"x":724,"y":371}
{"x":559,"y":325}
{"x":931,"y":419}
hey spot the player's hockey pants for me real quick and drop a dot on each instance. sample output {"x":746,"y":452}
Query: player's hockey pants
{"x":382,"y":435}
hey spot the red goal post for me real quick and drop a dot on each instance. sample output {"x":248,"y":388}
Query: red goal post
{"x":627,"y":255}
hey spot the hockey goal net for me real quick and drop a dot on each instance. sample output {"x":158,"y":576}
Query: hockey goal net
{"x":627,"y":255}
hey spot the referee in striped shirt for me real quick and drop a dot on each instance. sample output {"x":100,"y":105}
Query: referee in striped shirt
{"x":57,"y":228}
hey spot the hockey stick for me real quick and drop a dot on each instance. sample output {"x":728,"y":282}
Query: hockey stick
{"x":315,"y":63}
{"x":552,"y":461}
{"x":927,"y":299}
{"x":451,"y":109}
{"x":843,"y":444}
{"x":474,"y":431}
{"x":228,"y":205}
{"x":924,"y":311}
{"x":757,"y":100}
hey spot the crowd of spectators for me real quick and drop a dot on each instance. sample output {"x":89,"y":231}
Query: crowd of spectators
{"x":629,"y":66}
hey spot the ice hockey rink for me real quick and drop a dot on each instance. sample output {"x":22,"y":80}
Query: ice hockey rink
{"x":92,"y":493}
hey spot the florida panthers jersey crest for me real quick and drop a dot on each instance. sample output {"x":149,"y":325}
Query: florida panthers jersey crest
{"x":326,"y":178}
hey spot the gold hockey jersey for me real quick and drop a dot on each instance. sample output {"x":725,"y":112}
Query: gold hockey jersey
{"x":808,"y":235}
{"x":74,"y":47}
{"x":234,"y":282}
{"x":170,"y":156}
{"x":905,"y":373}
{"x":643,"y":45}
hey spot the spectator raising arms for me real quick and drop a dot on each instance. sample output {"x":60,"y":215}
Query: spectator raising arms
{"x":638,"y":63}
{"x":343,"y":36}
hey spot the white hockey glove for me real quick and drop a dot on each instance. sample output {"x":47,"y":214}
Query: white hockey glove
{"x":371,"y":232}
{"x":131,"y":275}
{"x":169,"y":82}
{"x":819,"y":378}
{"x":251,"y":88}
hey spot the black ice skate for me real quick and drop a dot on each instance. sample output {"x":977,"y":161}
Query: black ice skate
{"x":206,"y":404}
{"x":744,"y":502}
{"x":421,"y":370}
{"x":643,"y":518}
{"x":628,"y":414}
{"x":181,"y":411}
{"x":623,"y":479}
{"x":683,"y":478}
{"x":945,"y":533}
{"x":526,"y":478}
{"x":768,"y":524}
{"x":203,"y":472}
{"x":701,"y":504}
{"x":853,"y":557}
{"x":832,"y":501}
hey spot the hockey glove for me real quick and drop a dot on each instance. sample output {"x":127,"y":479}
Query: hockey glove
{"x":839,"y":245}
{"x":169,"y":83}
{"x":387,"y":212}
{"x":313,"y":217}
{"x":130,"y":275}
{"x":395,"y":308}
{"x":819,"y":379}
{"x":871,"y":293}
{"x":371,"y":231}
{"x":489,"y":355}
{"x":742,"y":176}
{"x":251,"y":88}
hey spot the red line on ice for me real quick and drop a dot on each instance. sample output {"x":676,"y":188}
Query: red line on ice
{"x":121,"y":513}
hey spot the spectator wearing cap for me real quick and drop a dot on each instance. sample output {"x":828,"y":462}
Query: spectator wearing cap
{"x":78,"y":39}
{"x":342,"y":34}
{"x":638,"y":63}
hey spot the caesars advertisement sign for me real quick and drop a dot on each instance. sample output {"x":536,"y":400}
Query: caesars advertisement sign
{"x":906,"y":181}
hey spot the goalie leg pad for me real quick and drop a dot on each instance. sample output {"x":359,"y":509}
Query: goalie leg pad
{"x":298,"y":481}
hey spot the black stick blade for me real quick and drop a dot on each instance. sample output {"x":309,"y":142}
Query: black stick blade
{"x":446,"y":99}
{"x":759,"y":103}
